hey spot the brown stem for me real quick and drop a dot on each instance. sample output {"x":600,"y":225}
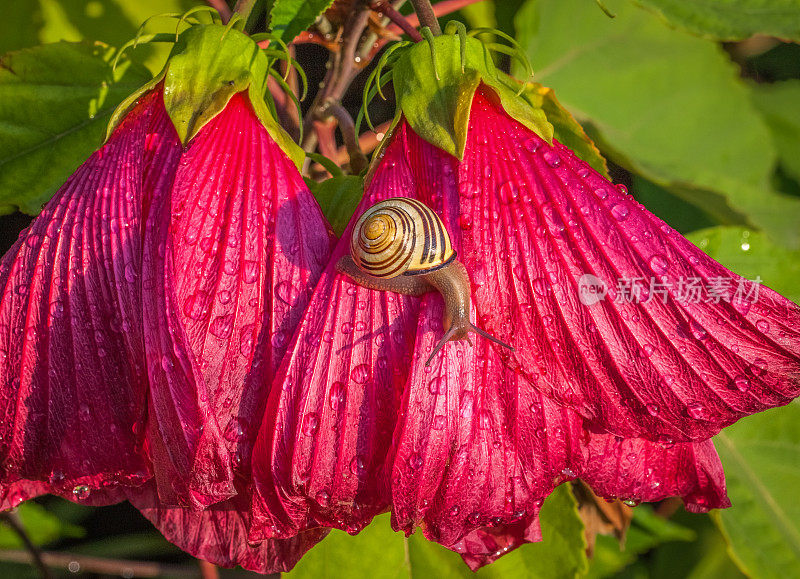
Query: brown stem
{"x":208,"y":570}
{"x":426,"y":15}
{"x":358,"y":161}
{"x":244,"y":7}
{"x":222,"y":7}
{"x":117,"y":567}
{"x":11,"y":518}
{"x":383,"y":7}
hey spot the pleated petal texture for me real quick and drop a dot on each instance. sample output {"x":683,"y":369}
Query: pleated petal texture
{"x":143,"y":315}
{"x":218,"y":534}
{"x":232,"y":254}
{"x":544,"y":236}
{"x":72,"y":371}
{"x":466,"y":448}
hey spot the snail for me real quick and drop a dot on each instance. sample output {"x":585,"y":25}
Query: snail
{"x":401,"y":245}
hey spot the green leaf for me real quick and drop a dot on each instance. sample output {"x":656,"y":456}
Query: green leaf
{"x":566,"y":129}
{"x":378,"y":552}
{"x":751,"y":254}
{"x":42,"y":528}
{"x":55,"y":103}
{"x":338,"y":198}
{"x":761,"y":456}
{"x":111,"y":21}
{"x":288,"y":18}
{"x":778,"y":103}
{"x":731,"y":19}
{"x":647,"y":531}
{"x":663,"y":104}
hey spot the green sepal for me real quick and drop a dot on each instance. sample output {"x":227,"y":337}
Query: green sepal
{"x":436,"y":97}
{"x":207,"y":66}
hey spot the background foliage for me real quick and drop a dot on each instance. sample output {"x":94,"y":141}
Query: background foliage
{"x":696,"y":106}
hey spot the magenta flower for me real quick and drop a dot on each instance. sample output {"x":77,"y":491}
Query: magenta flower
{"x":145,"y":310}
{"x":622,"y":395}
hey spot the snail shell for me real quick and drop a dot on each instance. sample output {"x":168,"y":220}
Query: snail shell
{"x":401,"y":245}
{"x":400,"y":236}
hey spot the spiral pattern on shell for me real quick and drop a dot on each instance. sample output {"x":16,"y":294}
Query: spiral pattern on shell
{"x":400,"y":235}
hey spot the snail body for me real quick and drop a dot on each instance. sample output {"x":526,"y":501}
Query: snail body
{"x":401,"y":245}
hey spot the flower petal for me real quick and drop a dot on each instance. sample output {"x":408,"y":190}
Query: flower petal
{"x":231,"y":254}
{"x":218,"y":534}
{"x":642,"y":471}
{"x":334,"y":402}
{"x":536,"y":220}
{"x":71,"y":346}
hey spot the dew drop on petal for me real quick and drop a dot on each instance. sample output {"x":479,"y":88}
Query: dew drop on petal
{"x":533,"y":144}
{"x":322,"y":498}
{"x":659,"y":264}
{"x":758,"y":367}
{"x":415,"y":461}
{"x":697,"y":411}
{"x":310,"y":424}
{"x":250,"y":273}
{"x":552,"y":158}
{"x":652,"y":409}
{"x":622,"y":189}
{"x":81,"y":492}
{"x":222,"y":326}
{"x":439,"y":422}
{"x":742,"y":383}
{"x":763,"y":326}
{"x":601,"y":193}
{"x":357,"y":466}
{"x":648,"y":350}
{"x":336,"y":395}
{"x":620,"y":211}
{"x":360,"y":374}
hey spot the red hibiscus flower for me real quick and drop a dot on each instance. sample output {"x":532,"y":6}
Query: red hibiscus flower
{"x":145,"y":310}
{"x":623,"y":394}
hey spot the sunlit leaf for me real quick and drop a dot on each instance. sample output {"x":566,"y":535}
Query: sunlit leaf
{"x":751,"y":254}
{"x":662,"y":103}
{"x":288,"y":18}
{"x":55,"y":102}
{"x":647,"y":531}
{"x":778,"y":103}
{"x":731,"y":19}
{"x":41,"y":526}
{"x":378,"y":552}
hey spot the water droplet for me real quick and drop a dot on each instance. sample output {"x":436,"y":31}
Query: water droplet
{"x":222,"y":326}
{"x":697,"y":411}
{"x":659,"y":264}
{"x":346,"y":328}
{"x":763,"y":326}
{"x":758,"y":367}
{"x":130,"y":273}
{"x":322,"y":498}
{"x":508,"y":192}
{"x":415,"y":461}
{"x":166,"y":363}
{"x":437,"y":386}
{"x":286,"y":292}
{"x":622,"y":189}
{"x":279,"y":339}
{"x":601,"y":193}
{"x":336,"y":396}
{"x":620,"y":211}
{"x":454,"y":510}
{"x":551,"y":158}
{"x":250,"y":271}
{"x":81,"y":492}
{"x":630,"y":502}
{"x":648,"y":350}
{"x":745,"y":246}
{"x":533,"y":144}
{"x":742,"y":383}
{"x":357,"y":466}
{"x":360,"y":374}
{"x":310,"y":424}
{"x":195,"y":306}
{"x":698,"y":331}
{"x":465,"y":222}
{"x":540,"y":286}
{"x":439,"y":422}
{"x":652,"y":409}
